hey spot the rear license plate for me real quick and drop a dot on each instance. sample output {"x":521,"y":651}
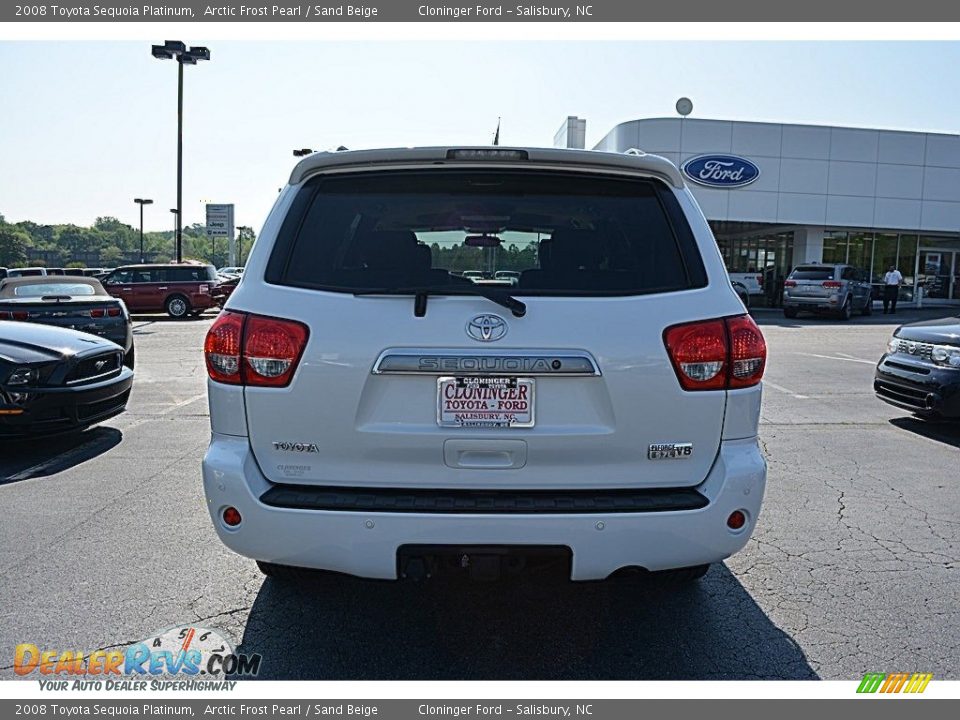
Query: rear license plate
{"x":485,"y":402}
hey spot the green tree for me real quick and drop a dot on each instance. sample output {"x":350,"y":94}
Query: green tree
{"x":111,"y":255}
{"x":13,"y":246}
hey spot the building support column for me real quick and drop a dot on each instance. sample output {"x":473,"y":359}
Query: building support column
{"x":807,"y":245}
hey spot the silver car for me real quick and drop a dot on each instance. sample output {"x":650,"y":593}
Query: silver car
{"x":835,"y":289}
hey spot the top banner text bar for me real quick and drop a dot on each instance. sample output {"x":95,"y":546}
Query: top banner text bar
{"x":420,"y":11}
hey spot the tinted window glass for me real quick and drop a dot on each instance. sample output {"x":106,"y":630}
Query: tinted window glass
{"x":146,"y":275}
{"x":190,"y":273}
{"x":849,"y":274}
{"x":535,"y":233}
{"x":41,"y":290}
{"x":120,"y":277}
{"x":812,"y":273}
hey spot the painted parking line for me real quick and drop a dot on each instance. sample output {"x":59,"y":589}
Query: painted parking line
{"x":834,"y":357}
{"x":854,"y":357}
{"x":786,"y":391}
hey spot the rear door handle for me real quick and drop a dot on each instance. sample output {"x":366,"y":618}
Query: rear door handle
{"x":162,"y":288}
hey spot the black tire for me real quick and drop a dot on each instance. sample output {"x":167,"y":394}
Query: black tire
{"x":177,"y":307}
{"x":868,"y":307}
{"x":130,"y":358}
{"x":789,"y":313}
{"x":846,"y":312}
{"x":681,"y":576}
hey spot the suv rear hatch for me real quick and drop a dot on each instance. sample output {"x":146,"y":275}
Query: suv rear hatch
{"x":809,"y":282}
{"x":410,"y":335}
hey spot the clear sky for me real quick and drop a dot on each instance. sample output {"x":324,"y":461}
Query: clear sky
{"x":85,"y":127}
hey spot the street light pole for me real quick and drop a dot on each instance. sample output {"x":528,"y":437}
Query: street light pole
{"x":179,"y":162}
{"x":141,"y":202}
{"x":176,"y":50}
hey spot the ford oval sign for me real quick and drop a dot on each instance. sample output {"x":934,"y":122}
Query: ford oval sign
{"x":722,"y":171}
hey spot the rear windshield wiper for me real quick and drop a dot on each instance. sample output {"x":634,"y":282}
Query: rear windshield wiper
{"x":518,"y":308}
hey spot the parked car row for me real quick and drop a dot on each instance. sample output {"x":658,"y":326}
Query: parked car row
{"x":66,"y":354}
{"x":43,"y":271}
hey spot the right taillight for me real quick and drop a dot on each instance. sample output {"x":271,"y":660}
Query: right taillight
{"x":717,"y":354}
{"x":748,"y":351}
{"x":243,"y":349}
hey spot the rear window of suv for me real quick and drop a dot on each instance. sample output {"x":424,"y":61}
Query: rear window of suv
{"x":534,"y":233}
{"x":812,"y":273}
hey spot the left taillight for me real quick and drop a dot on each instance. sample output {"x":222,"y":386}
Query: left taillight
{"x":254,"y":350}
{"x":221,"y":348}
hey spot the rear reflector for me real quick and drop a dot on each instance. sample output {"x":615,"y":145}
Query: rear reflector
{"x":717,"y":354}
{"x":736,"y":520}
{"x":243,"y":349}
{"x":231,"y":517}
{"x":831,"y":283}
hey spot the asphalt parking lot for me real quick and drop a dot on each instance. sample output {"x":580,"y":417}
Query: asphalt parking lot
{"x":855,"y":566}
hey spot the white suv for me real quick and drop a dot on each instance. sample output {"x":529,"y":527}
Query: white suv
{"x":375,"y":412}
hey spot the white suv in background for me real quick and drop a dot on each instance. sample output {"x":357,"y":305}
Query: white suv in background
{"x":374,"y":412}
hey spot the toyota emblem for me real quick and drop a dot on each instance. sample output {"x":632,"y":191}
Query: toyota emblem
{"x":487,"y":328}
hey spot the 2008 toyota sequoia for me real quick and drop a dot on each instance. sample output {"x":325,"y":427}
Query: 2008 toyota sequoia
{"x":479,"y":359}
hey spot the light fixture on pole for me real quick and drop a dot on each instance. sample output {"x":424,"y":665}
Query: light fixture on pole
{"x":176,"y":50}
{"x":141,"y":202}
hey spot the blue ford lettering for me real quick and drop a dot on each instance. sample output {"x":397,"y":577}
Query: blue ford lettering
{"x":721,"y":170}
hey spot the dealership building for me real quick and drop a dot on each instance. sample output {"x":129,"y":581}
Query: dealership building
{"x":778,"y":195}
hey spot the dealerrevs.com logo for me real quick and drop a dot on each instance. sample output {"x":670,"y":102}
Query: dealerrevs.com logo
{"x":180,"y":658}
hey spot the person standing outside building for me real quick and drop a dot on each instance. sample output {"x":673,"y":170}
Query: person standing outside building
{"x":892,"y":281}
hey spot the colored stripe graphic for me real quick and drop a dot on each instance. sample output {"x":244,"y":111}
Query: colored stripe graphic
{"x":871,"y":682}
{"x":894,"y":682}
{"x":918,"y":683}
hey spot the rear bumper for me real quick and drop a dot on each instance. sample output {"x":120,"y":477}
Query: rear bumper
{"x":810,"y":304}
{"x":919,"y":387}
{"x":55,"y":410}
{"x":365,"y":542}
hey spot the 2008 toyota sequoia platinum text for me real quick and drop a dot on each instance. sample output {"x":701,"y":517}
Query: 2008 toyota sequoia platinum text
{"x":480,"y":359}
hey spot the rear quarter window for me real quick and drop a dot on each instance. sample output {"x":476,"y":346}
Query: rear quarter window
{"x":533,"y":233}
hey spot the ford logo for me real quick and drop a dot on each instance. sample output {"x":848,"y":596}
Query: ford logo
{"x":726,"y":171}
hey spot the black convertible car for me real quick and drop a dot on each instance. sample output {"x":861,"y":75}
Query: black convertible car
{"x":920,"y":371}
{"x":55,"y":380}
{"x":78,"y":303}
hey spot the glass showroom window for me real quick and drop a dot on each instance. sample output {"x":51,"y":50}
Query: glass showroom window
{"x":859,"y":246}
{"x":907,"y":265}
{"x":834,"y":247}
{"x":885,"y":248}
